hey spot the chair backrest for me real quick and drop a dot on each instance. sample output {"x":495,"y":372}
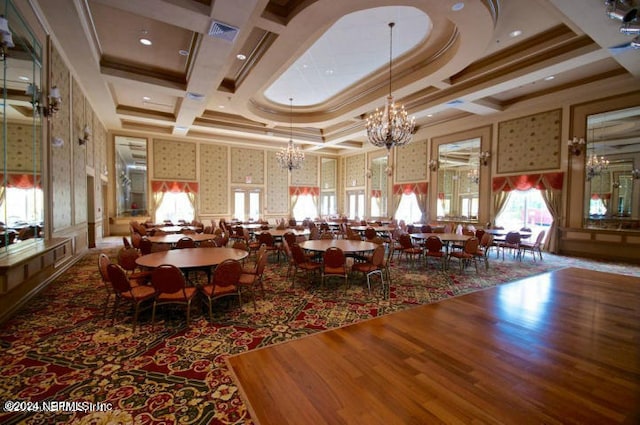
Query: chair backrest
{"x":327,"y":235}
{"x":103,"y":262}
{"x":525,"y":229}
{"x":405,"y":241}
{"x":208,"y":244}
{"x":540,"y":238}
{"x":480,"y":234}
{"x":486,"y":240}
{"x":118,"y":278}
{"x":290,"y":238}
{"x":370,"y":233}
{"x":314,"y":232}
{"x":125,"y":242}
{"x":425,"y":228}
{"x":240,"y":245}
{"x":512,"y":238}
{"x":167,"y":279}
{"x":433,"y":244}
{"x":298,"y":254}
{"x":261,"y":264}
{"x":334,"y":257}
{"x":468,"y":232}
{"x":135,"y":239}
{"x":227,"y":273}
{"x":471,"y":245}
{"x":377,"y":258}
{"x":354,"y":237}
{"x":185,"y":242}
{"x":127,"y":258}
{"x":266,"y":238}
{"x":145,"y":246}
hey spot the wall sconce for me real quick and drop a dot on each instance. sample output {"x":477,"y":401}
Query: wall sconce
{"x":55,"y":100}
{"x":6,"y":39}
{"x":369,"y":173}
{"x":86,"y":133}
{"x":484,"y":157}
{"x":575,"y":146}
{"x":635,"y":173}
{"x":389,"y":170}
{"x":434,"y":164}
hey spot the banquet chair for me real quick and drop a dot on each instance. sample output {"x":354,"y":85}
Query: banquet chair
{"x":334,"y":263}
{"x":484,"y":247}
{"x":223,"y":283}
{"x":467,"y":254}
{"x":103,"y":262}
{"x":125,"y":242}
{"x":533,"y":247}
{"x":374,"y":266}
{"x":250,"y":279}
{"x":209,"y":243}
{"x":408,"y":248}
{"x":123,"y":290}
{"x":171,"y":288}
{"x":126,"y":259}
{"x":433,"y":249}
{"x":303,"y":263}
{"x":511,"y":242}
{"x":370,"y":233}
{"x":145,"y":246}
{"x":266,"y":238}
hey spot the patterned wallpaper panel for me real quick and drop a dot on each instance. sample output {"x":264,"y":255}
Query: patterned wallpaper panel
{"x":80,"y":183}
{"x":21,"y":155}
{"x":213,"y":185}
{"x":247,"y":163}
{"x":411,"y":162}
{"x":308,"y":174}
{"x":277,"y":194}
{"x":355,"y":170}
{"x":329,"y":176}
{"x":175,"y":160}
{"x":61,"y":172}
{"x":530,"y":143}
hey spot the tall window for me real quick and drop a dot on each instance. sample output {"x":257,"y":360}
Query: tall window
{"x":408,"y":209}
{"x":355,"y":204}
{"x":327,"y":203}
{"x":175,"y":206}
{"x":23,"y":206}
{"x":525,"y":208}
{"x":246,"y":204}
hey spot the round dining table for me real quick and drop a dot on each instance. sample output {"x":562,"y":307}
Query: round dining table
{"x":173,"y":238}
{"x":346,"y":245}
{"x":279,"y":233}
{"x":191,"y":258}
{"x":444,"y":237}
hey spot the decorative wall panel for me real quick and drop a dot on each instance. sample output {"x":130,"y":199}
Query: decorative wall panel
{"x":308,"y":174}
{"x":61,"y":173}
{"x":329,"y":174}
{"x":530,"y":143}
{"x":277,"y":194}
{"x":214,"y":183}
{"x":355,"y":170}
{"x":22,"y":155}
{"x":247,"y":166}
{"x":80,"y":154}
{"x":411,"y":162}
{"x":175,"y":160}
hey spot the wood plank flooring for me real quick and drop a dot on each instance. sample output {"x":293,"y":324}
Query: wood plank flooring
{"x":562,"y":347}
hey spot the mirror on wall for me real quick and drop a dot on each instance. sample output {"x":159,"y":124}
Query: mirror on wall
{"x":21,"y":196}
{"x":612,"y":170}
{"x":131,"y":176}
{"x":458,"y":179}
{"x":378,"y":175}
{"x":329,"y":178}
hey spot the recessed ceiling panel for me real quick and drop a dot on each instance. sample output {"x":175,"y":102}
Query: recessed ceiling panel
{"x":354,"y":47}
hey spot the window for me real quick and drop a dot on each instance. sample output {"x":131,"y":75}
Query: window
{"x":175,"y":206}
{"x":327,"y":203}
{"x":408,"y":209}
{"x":304,"y":208}
{"x":246,"y":204}
{"x":525,"y":208}
{"x":23,"y":206}
{"x":355,"y":204}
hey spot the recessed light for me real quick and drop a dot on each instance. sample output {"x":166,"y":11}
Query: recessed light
{"x":429,"y":115}
{"x":241,"y":57}
{"x":549,"y":78}
{"x":145,"y":41}
{"x":23,"y":78}
{"x":195,"y":96}
{"x":183,"y":52}
{"x":328,"y":71}
{"x":457,"y":7}
{"x":146,"y":98}
{"x":221,"y":106}
{"x":515,"y":33}
{"x":180,"y":128}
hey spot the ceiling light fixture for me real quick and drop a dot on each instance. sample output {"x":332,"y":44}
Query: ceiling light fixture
{"x":241,"y":57}
{"x":515,"y":33}
{"x":144,"y":40}
{"x":390,"y":126}
{"x":291,"y":157}
{"x":55,"y":100}
{"x":622,"y":10}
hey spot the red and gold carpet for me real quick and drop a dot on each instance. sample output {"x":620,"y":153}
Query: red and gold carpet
{"x":61,"y":347}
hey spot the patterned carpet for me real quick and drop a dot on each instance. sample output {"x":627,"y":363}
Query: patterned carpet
{"x":61,"y":347}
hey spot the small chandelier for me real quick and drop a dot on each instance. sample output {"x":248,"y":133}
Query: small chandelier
{"x":390,"y":126}
{"x":291,"y":157}
{"x":596,"y":165}
{"x":473,"y":176}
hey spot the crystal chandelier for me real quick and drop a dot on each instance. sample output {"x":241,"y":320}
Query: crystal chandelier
{"x":596,"y":165}
{"x":390,"y":126}
{"x":291,"y":157}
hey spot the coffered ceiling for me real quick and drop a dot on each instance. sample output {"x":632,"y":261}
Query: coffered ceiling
{"x":214,"y":70}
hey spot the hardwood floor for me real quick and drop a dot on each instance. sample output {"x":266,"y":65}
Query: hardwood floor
{"x":562,"y":347}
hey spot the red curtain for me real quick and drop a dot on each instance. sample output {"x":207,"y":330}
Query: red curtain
{"x":419,"y":188}
{"x":376,"y":193}
{"x":304,"y":190}
{"x":22,"y":181}
{"x":527,"y":181}
{"x":174,"y":186}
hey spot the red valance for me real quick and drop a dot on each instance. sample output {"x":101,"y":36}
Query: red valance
{"x":605,"y":196}
{"x":376,"y":193}
{"x":419,"y":188}
{"x":304,"y":190}
{"x":528,"y":181}
{"x":174,"y":186}
{"x":22,"y":181}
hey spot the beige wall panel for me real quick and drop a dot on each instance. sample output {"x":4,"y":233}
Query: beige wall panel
{"x":411,"y":162}
{"x":175,"y":160}
{"x":247,"y":166}
{"x":214,"y":181}
{"x":329,"y":175}
{"x":21,"y":155}
{"x":277,"y":194}
{"x":355,"y":170}
{"x":308,"y":174}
